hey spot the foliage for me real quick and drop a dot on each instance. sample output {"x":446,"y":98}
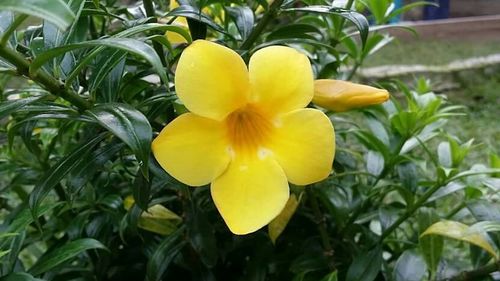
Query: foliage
{"x":86,"y":86}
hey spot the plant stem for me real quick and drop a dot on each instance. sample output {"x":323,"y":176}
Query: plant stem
{"x":476,"y":273}
{"x":321,"y":222}
{"x":42,"y":78}
{"x":410,"y":211}
{"x":271,"y":12}
{"x":150,"y":13}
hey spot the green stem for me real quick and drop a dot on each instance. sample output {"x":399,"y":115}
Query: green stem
{"x":348,"y":6}
{"x":268,"y":16}
{"x":44,"y":79}
{"x":322,"y":229}
{"x":476,"y":274}
{"x":409,"y":212}
{"x":150,"y":13}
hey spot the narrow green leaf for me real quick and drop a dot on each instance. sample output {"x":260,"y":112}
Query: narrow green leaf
{"x":58,"y":172}
{"x":63,"y":254}
{"x":55,"y":11}
{"x":129,"y":125}
{"x":164,"y":254}
{"x":141,"y":191}
{"x":7,"y":107}
{"x":132,"y":46}
{"x":330,"y":277}
{"x":356,"y":18}
{"x":374,"y":162}
{"x":195,"y":14}
{"x":20,"y":276}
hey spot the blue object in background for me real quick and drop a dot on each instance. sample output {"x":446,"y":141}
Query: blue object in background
{"x":441,"y":12}
{"x":397,"y":4}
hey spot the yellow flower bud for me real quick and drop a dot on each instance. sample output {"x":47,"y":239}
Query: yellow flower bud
{"x":340,"y":96}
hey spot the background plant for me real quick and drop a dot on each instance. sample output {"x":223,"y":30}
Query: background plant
{"x":86,"y":84}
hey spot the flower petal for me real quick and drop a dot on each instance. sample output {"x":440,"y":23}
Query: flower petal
{"x":304,"y":146}
{"x":250,"y":193}
{"x":211,"y":80}
{"x":192,"y":149}
{"x":281,"y":79}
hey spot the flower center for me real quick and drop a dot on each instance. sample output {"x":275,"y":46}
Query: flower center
{"x":248,"y":129}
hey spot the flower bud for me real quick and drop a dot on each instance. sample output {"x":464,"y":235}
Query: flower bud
{"x":340,"y":96}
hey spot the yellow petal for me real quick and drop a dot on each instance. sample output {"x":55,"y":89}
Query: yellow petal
{"x":250,"y":193}
{"x":211,"y":80}
{"x":281,"y":79}
{"x":192,"y":149}
{"x":339,"y":96}
{"x":304,"y":145}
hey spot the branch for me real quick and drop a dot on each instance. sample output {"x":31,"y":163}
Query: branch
{"x":476,"y":273}
{"x":42,"y":78}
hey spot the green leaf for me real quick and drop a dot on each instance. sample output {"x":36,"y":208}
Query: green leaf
{"x":129,"y":125}
{"x":407,"y":173}
{"x":460,"y":231}
{"x":163,"y":255}
{"x":330,"y":277}
{"x":63,"y":254}
{"x":20,"y":276}
{"x":58,"y":172}
{"x":374,"y":162}
{"x":444,"y":154}
{"x":430,"y":246}
{"x":132,"y":46}
{"x":202,"y":236}
{"x":7,"y":107}
{"x":366,"y":266}
{"x":55,"y":11}
{"x":195,"y":14}
{"x":244,"y":19}
{"x":356,"y":18}
{"x":278,"y":224}
{"x":108,"y":71}
{"x":141,"y":191}
{"x":410,"y":266}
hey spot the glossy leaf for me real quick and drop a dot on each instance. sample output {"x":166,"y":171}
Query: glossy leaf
{"x":244,"y":19}
{"x":129,"y":125}
{"x":460,"y":231}
{"x":63,"y":254}
{"x":132,"y":46}
{"x":55,"y":11}
{"x":365,"y":266}
{"x":20,"y":276}
{"x":410,"y":266}
{"x":58,"y":172}
{"x":7,"y":107}
{"x":431,"y":246}
{"x":356,"y":18}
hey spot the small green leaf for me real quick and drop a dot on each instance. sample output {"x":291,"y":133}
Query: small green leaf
{"x":366,"y":266}
{"x":330,"y":277}
{"x":460,"y":231}
{"x":63,"y":254}
{"x":356,"y":18}
{"x":129,"y":125}
{"x":55,"y":11}
{"x":410,"y":267}
{"x":244,"y":19}
{"x":374,"y":162}
{"x":163,"y":255}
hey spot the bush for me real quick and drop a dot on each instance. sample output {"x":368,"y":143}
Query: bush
{"x":85,"y":90}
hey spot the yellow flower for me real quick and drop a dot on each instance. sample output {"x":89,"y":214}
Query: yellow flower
{"x":247,"y":133}
{"x":339,"y":96}
{"x":174,"y":37}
